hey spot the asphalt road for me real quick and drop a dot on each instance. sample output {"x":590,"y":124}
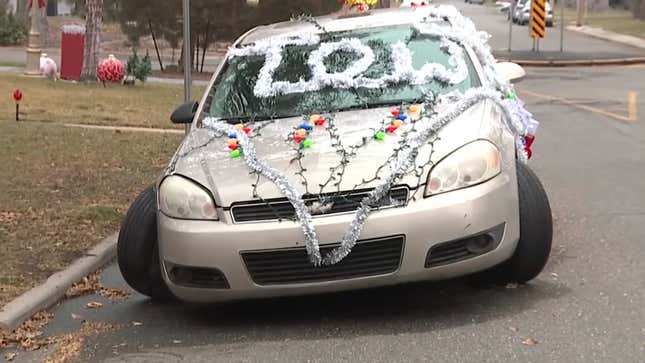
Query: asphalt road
{"x":587,"y":306}
{"x":575,"y":45}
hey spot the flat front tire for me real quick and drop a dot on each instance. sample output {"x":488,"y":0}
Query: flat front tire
{"x":536,"y":233}
{"x":137,"y":248}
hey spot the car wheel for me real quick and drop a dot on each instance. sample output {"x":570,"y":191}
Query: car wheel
{"x":536,"y":233}
{"x":137,"y":249}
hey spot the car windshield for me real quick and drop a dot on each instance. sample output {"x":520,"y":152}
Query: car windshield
{"x":232,"y":96}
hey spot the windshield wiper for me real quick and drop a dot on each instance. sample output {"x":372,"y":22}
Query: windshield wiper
{"x":367,"y":106}
{"x":252,"y":119}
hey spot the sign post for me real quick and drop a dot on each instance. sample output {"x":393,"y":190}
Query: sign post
{"x":17,"y":97}
{"x":510,"y":26}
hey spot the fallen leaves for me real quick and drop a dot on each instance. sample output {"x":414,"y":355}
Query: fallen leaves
{"x":530,"y":341}
{"x":93,"y":305}
{"x":92,"y":285}
{"x":28,"y":336}
{"x":88,"y":285}
{"x":114,"y":294}
{"x":70,"y":345}
{"x":9,"y":218}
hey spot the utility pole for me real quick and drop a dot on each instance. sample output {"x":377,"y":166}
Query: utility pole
{"x":579,"y":12}
{"x":187,"y":56}
{"x":510,"y":26}
{"x":561,"y":25}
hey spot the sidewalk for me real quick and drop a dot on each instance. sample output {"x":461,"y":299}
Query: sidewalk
{"x":615,"y":54}
{"x":579,"y":48}
{"x":609,"y":35}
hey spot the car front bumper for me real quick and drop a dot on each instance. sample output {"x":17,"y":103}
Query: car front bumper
{"x":424,"y":223}
{"x":526,"y":18}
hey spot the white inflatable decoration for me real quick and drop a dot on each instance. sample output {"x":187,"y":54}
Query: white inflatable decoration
{"x":461,"y":32}
{"x":48,"y":67}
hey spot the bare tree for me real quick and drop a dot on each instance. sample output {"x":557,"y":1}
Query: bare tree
{"x":638,"y":8}
{"x":93,"y":23}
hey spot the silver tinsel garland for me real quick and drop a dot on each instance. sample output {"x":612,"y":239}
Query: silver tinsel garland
{"x":401,"y":56}
{"x":460,"y":32}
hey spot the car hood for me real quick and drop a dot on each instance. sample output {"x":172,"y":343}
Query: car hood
{"x":207,"y":160}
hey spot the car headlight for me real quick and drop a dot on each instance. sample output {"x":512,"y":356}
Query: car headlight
{"x":182,"y":198}
{"x":472,"y":164}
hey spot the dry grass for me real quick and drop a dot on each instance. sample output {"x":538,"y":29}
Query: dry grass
{"x":11,"y":64}
{"x":147,"y":105}
{"x":65,"y":189}
{"x":615,"y":20}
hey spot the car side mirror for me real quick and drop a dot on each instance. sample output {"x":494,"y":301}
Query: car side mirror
{"x":185,"y":113}
{"x":512,"y":72}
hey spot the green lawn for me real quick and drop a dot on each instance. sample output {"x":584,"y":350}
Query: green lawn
{"x":65,"y":190}
{"x":11,"y":64}
{"x":616,"y":20}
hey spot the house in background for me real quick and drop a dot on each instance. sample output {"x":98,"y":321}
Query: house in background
{"x":12,"y":6}
{"x":59,"y":7}
{"x":54,"y":7}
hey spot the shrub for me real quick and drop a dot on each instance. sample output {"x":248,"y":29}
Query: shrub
{"x":12,"y":30}
{"x":139,"y":68}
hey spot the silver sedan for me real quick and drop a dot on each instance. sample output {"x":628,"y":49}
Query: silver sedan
{"x":209,"y":230}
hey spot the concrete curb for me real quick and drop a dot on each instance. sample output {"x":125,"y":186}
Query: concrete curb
{"x":578,"y":62}
{"x":42,"y":297}
{"x":126,"y":129}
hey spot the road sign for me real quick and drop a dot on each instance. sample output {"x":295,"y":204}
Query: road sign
{"x":538,"y":19}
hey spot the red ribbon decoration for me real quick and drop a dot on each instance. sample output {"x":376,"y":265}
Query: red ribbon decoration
{"x":41,"y":4}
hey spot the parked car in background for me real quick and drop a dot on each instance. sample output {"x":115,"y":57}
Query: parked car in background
{"x":481,"y":2}
{"x":503,"y":6}
{"x":516,"y":11}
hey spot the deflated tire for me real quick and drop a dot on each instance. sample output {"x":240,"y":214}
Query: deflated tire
{"x":137,"y":249}
{"x":536,"y":233}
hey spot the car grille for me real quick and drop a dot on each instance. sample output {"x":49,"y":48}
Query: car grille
{"x":292,"y":266}
{"x":276,"y":209}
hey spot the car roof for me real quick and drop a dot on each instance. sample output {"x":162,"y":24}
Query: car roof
{"x":335,"y":23}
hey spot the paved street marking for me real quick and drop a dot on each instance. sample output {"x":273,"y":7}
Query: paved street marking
{"x":538,"y":19}
{"x":632,"y":112}
{"x":631,"y":106}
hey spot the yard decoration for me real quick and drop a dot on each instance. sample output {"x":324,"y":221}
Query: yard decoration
{"x":138,"y":68}
{"x":72,"y":48}
{"x":411,"y":133}
{"x":48,"y":67}
{"x":360,"y":5}
{"x":110,"y":70}
{"x":17,"y":97}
